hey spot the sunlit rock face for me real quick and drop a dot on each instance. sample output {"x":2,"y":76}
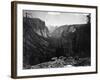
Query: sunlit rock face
{"x":37,"y":26}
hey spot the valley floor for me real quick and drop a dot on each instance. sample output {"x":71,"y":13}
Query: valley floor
{"x":61,"y":62}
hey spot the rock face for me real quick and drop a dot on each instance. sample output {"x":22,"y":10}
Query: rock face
{"x":40,"y":45}
{"x":72,"y":40}
{"x":34,"y":40}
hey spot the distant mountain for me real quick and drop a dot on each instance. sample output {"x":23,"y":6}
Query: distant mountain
{"x":57,"y":33}
{"x":51,"y":28}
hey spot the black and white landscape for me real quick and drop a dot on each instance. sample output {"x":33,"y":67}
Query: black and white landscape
{"x":56,"y":39}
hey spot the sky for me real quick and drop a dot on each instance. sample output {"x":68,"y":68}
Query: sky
{"x":55,"y":19}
